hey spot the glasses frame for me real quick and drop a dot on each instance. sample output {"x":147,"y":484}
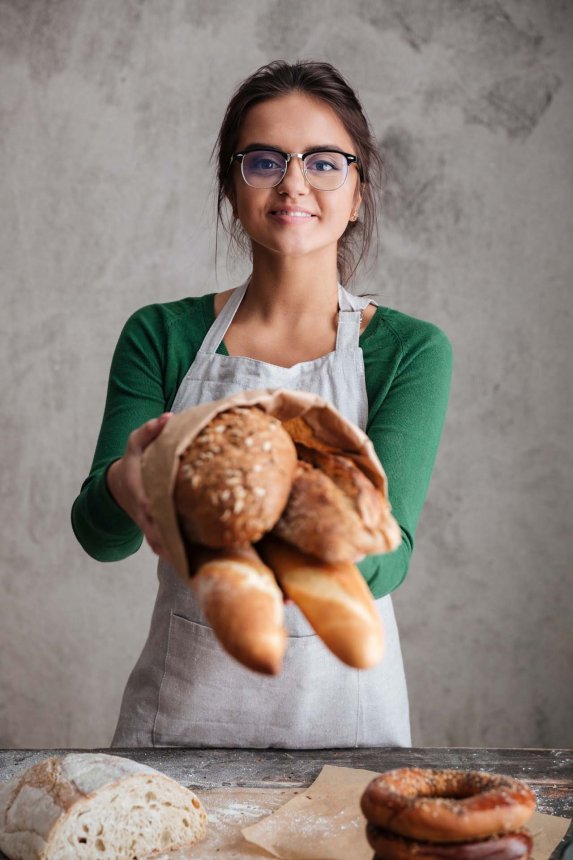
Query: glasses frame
{"x":350,"y":159}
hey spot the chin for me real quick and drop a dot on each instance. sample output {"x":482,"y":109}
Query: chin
{"x":292,"y":248}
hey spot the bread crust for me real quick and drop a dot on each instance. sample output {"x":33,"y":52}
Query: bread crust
{"x":367,"y":500}
{"x":303,"y":434}
{"x":335,"y":520}
{"x":233,"y":481}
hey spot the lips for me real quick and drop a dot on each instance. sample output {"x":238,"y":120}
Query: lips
{"x":292,"y":214}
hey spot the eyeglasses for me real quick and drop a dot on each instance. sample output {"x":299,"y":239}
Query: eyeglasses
{"x":324,"y":169}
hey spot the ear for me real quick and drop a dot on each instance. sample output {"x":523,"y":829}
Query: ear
{"x":357,"y":200}
{"x":359,"y":194}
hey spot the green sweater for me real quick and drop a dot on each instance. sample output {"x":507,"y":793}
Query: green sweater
{"x":408,"y":369}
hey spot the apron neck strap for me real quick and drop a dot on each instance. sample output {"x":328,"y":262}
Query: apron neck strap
{"x":349,"y":318}
{"x":222,"y":322}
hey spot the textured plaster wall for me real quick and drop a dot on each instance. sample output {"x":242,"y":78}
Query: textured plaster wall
{"x":108,"y":112}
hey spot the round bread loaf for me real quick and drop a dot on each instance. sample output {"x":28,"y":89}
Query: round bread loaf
{"x":334,"y":512}
{"x":234,"y":480}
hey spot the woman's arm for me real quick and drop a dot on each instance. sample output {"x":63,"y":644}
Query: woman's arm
{"x":408,"y":396}
{"x":135,"y":395}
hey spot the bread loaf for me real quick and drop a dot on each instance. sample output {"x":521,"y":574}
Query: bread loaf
{"x":243,"y":604}
{"x":302,"y":434}
{"x":335,"y":600}
{"x":93,"y":805}
{"x":234,"y":479}
{"x":334,"y":512}
{"x":370,"y":505}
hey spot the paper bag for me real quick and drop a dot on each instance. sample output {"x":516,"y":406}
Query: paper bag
{"x":161,"y":459}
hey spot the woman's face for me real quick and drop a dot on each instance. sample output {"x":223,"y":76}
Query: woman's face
{"x":295,"y":123}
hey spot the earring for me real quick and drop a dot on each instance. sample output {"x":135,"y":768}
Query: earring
{"x":354,"y":216}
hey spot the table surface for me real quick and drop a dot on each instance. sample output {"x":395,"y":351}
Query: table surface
{"x":253,"y":783}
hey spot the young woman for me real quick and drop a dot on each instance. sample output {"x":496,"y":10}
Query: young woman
{"x":296,"y":166}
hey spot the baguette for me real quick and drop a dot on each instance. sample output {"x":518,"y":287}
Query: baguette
{"x":243,"y":604}
{"x":335,"y":600}
{"x":88,"y":805}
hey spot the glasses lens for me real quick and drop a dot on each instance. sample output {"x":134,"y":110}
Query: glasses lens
{"x":326,"y":170}
{"x":263,"y":168}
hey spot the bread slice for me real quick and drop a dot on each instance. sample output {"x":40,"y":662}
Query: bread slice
{"x":88,"y":805}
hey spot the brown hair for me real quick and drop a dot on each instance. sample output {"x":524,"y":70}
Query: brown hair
{"x":324,"y":82}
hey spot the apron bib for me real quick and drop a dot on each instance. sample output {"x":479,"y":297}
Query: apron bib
{"x":185,"y":690}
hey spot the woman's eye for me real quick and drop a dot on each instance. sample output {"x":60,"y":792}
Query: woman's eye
{"x":265,"y":164}
{"x":322,"y":165}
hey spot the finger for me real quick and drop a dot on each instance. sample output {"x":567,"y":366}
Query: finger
{"x":142,"y":437}
{"x":153,"y":538}
{"x":157,"y":546}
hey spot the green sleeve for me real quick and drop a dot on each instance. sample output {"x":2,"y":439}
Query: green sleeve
{"x":135,"y":394}
{"x":408,"y":390}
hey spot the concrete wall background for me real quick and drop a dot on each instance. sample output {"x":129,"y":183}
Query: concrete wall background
{"x":108,"y":112}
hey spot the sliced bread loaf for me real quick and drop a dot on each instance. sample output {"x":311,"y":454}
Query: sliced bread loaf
{"x":93,"y":805}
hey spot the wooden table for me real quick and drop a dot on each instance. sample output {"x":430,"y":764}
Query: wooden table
{"x":239,"y":787}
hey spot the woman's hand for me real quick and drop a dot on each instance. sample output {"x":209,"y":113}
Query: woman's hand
{"x":125,"y":482}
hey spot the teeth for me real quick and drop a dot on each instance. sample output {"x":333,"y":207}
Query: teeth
{"x":294,"y":214}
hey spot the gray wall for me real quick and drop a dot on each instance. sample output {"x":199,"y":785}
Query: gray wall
{"x":108,"y":112}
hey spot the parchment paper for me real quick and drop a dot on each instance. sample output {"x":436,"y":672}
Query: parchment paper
{"x":160,"y":459}
{"x":325,"y":822}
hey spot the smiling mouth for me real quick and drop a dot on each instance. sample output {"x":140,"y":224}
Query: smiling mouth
{"x":292,"y":214}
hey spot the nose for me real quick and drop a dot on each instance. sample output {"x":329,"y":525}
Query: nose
{"x":293,"y":182}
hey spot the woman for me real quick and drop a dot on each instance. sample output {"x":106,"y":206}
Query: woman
{"x":296,"y":162}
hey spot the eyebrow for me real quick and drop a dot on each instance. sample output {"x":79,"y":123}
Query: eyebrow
{"x":306,"y":149}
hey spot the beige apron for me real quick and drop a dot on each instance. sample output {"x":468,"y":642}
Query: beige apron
{"x":185,"y":690}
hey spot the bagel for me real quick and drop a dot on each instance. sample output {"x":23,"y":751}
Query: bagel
{"x":447,"y":805}
{"x":506,"y":846}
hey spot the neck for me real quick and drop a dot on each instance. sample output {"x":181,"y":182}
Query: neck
{"x":293,"y":286}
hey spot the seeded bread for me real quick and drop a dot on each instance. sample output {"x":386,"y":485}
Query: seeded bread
{"x":89,"y":805}
{"x":234,"y":479}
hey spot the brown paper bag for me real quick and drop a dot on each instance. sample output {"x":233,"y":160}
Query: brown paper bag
{"x":160,"y":459}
